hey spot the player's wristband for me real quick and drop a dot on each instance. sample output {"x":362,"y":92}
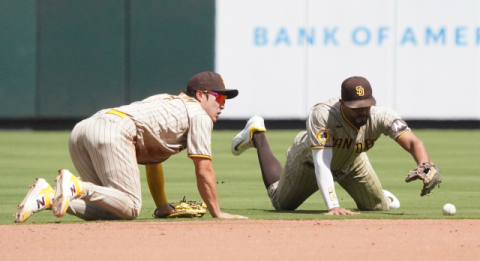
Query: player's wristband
{"x":331,"y":201}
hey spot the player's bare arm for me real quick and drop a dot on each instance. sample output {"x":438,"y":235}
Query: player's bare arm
{"x":414,"y":146}
{"x":206,"y":183}
{"x":425,"y":170}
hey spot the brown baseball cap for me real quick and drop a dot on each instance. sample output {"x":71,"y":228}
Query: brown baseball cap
{"x":357,"y":92}
{"x":210,"y":81}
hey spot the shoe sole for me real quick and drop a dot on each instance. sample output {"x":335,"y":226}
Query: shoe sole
{"x":394,"y":202}
{"x":62,"y":190}
{"x":235,"y":150}
{"x":250,"y":130}
{"x":23,"y":210}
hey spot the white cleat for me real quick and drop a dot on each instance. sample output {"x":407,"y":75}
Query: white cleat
{"x":392,"y":201}
{"x":243,"y":140}
{"x":38,"y":198}
{"x":67,"y":189}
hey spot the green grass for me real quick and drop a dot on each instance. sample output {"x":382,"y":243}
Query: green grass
{"x":25,"y":155}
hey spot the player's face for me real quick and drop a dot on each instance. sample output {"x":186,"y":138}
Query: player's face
{"x":209,"y":103}
{"x":357,"y":116}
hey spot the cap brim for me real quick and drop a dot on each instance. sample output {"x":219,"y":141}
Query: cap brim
{"x":231,"y":93}
{"x":360,"y":103}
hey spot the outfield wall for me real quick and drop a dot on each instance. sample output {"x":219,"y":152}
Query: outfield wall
{"x":63,"y":60}
{"x":422,"y":57}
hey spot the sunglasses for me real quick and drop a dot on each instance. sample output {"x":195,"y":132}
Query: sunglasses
{"x":220,"y":98}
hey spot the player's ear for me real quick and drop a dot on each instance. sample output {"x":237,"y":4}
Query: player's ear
{"x":198,"y":95}
{"x":341,"y":102}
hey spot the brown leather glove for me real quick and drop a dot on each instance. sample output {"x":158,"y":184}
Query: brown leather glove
{"x":429,"y":173}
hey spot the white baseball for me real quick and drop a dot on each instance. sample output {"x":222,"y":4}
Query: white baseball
{"x":449,"y":209}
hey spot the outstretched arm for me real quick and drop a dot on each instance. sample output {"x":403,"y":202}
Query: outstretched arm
{"x":207,"y":186}
{"x":414,"y":146}
{"x":425,"y":170}
{"x":322,"y":159}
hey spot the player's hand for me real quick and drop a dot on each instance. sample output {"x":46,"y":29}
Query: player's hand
{"x":164,"y":210}
{"x":341,"y":211}
{"x":229,"y":216}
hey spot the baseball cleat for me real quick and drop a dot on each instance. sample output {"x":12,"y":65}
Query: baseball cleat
{"x":392,"y":201}
{"x":38,"y":198}
{"x":243,"y":140}
{"x":67,"y":189}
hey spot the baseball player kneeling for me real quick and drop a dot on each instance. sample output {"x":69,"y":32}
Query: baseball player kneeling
{"x":333,"y":148}
{"x":106,"y":148}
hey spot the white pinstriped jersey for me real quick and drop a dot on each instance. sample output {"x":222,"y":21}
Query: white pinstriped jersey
{"x":167,"y":124}
{"x":328,"y":128}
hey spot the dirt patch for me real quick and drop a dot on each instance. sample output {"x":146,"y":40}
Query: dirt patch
{"x":245,"y":240}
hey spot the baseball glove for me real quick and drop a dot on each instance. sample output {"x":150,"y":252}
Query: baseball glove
{"x":186,"y":209}
{"x":429,"y":173}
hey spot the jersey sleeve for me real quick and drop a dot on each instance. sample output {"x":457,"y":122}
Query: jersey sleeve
{"x":319,"y":133}
{"x":393,"y":125}
{"x":199,"y":138}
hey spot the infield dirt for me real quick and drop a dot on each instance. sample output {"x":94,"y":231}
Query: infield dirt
{"x":244,"y":240}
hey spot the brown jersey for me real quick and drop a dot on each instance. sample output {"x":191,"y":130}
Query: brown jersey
{"x":327,"y":127}
{"x":167,"y":124}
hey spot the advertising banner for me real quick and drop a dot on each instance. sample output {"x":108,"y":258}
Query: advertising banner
{"x":422,"y":57}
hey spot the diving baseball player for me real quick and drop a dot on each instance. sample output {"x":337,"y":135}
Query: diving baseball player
{"x":107,"y":147}
{"x":333,"y":148}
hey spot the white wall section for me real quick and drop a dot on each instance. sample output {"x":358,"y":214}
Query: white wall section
{"x":422,"y":57}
